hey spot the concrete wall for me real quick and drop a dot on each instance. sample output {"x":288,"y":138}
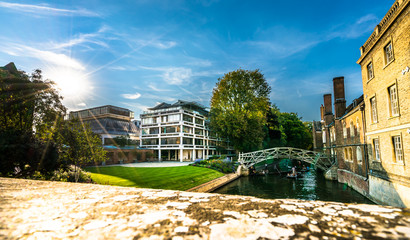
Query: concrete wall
{"x":389,"y":192}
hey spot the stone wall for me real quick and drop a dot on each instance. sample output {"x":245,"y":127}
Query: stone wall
{"x":56,"y":210}
{"x":355,"y":181}
{"x":215,"y":184}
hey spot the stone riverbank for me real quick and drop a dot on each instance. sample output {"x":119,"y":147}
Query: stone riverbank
{"x":56,"y":210}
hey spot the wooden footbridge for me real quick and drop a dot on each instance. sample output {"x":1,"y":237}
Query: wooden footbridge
{"x":317,"y":159}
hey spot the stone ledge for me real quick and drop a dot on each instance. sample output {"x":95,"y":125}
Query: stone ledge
{"x":55,"y":210}
{"x":215,"y":183}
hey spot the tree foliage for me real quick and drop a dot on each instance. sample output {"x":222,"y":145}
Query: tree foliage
{"x":33,"y":134}
{"x":27,"y":104}
{"x":79,"y":145}
{"x":287,"y":129}
{"x":238,"y":108}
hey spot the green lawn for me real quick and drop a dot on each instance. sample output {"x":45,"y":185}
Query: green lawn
{"x":175,"y":178}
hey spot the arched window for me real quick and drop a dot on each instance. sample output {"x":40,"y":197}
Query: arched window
{"x":324,"y":136}
{"x":346,"y":154}
{"x":359,"y":155}
{"x":358,"y":127}
{"x":334,"y":134}
{"x":351,"y":129}
{"x":350,"y":154}
{"x":344,"y":130}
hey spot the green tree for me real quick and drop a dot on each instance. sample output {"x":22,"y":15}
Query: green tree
{"x":79,"y":145}
{"x":273,"y":129}
{"x":238,"y":108}
{"x":27,"y":105}
{"x":296,"y":133}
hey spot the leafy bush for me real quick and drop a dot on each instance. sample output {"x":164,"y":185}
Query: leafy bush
{"x":221,"y":164}
{"x":64,"y":175}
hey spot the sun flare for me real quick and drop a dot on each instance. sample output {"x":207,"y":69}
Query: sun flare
{"x":71,"y":83}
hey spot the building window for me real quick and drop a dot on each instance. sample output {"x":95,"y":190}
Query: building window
{"x":358,"y":127}
{"x":334,"y":135}
{"x":398,"y":149}
{"x":373,"y":109}
{"x":370,"y":74}
{"x":346,"y":152}
{"x":351,"y":129}
{"x":388,"y":53}
{"x":394,"y":103}
{"x":359,"y":155}
{"x":344,"y":130}
{"x":324,"y":136}
{"x":350,"y":154}
{"x":376,"y":148}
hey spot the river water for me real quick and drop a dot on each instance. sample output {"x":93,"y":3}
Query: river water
{"x":312,"y":186}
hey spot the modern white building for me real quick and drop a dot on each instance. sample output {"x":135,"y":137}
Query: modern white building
{"x":179,"y":132}
{"x":109,"y":122}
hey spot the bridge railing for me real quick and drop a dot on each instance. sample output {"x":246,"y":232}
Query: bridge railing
{"x":318,"y":159}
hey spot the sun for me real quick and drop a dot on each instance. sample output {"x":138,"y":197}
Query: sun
{"x":71,"y":83}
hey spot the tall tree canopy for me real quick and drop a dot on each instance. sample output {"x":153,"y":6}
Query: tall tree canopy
{"x":33,"y":133}
{"x":29,"y":107}
{"x":286,"y":129}
{"x":79,"y":145}
{"x":239,"y":104}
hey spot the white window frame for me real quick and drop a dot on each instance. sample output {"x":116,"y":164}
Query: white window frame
{"x":373,"y":108}
{"x":398,"y":149}
{"x":344,"y":130}
{"x":388,"y":53}
{"x":351,"y":128}
{"x":393,"y":100}
{"x":370,"y":73}
{"x":376,"y":147}
{"x":359,"y":155}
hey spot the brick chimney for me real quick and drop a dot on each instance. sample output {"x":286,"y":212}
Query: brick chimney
{"x":328,"y":114}
{"x":322,"y":112}
{"x":339,"y":93}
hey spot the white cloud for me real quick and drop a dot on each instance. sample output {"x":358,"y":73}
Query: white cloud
{"x":173,"y":75}
{"x":82,"y":104}
{"x":82,"y":38}
{"x":199,"y":62}
{"x":50,"y":57}
{"x":45,"y":10}
{"x":357,"y":29}
{"x":154,"y":87}
{"x":157,"y":43}
{"x":177,"y":76}
{"x":366,"y":18}
{"x":159,"y":97}
{"x":131,"y":96}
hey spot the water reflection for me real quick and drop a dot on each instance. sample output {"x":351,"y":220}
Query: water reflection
{"x":313,"y":186}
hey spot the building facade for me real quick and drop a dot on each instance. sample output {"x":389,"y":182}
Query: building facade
{"x":343,"y":136}
{"x":385,"y":61}
{"x":179,"y":132}
{"x":109,"y":122}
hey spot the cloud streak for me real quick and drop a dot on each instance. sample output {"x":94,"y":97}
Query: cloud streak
{"x":45,"y":10}
{"x":58,"y":59}
{"x":131,"y":96}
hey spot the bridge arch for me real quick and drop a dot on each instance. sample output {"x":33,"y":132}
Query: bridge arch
{"x":318,"y":159}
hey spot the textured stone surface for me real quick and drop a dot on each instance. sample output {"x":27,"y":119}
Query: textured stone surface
{"x":55,"y":210}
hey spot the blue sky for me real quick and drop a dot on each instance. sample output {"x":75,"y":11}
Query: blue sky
{"x":135,"y":54}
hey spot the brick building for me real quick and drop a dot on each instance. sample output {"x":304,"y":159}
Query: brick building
{"x":385,"y":60}
{"x":343,"y":136}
